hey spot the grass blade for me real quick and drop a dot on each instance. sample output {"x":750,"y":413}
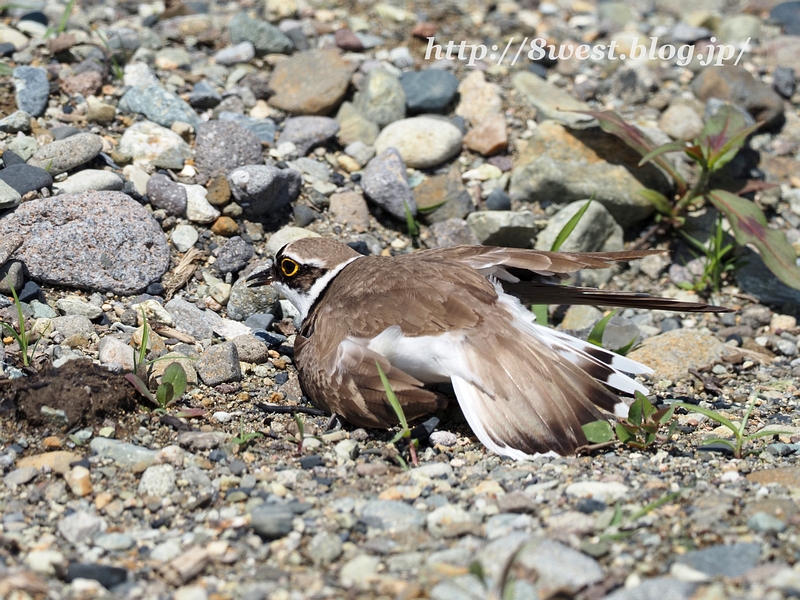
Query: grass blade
{"x":569,"y":227}
{"x":398,"y":410}
{"x":596,"y":334}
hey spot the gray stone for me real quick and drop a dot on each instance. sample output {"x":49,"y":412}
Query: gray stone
{"x":560,"y":568}
{"x":732,"y":560}
{"x":392,"y":514}
{"x":12,"y":273}
{"x":9,"y":197}
{"x":591,"y":234}
{"x":65,"y":155}
{"x":503,"y":228}
{"x":385,"y":183}
{"x":80,"y":527}
{"x":245,"y":301}
{"x":441,"y":519}
{"x":681,"y":122}
{"x":114,"y":542}
{"x":233,"y":255}
{"x":765,"y":523}
{"x":462,"y":587}
{"x":113,"y":351}
{"x":422,"y":142}
{"x":123,"y":453}
{"x":359,"y":571}
{"x":73,"y":325}
{"x":184,"y":237}
{"x":355,"y":127}
{"x":264,"y":190}
{"x":561,"y":166}
{"x":222,"y":146}
{"x":24,"y":146}
{"x":158,"y":105}
{"x":549,"y":101}
{"x":443,"y":197}
{"x":103,"y":241}
{"x":219,"y":364}
{"x":658,"y":588}
{"x":239,"y":53}
{"x":204,"y":95}
{"x":32,"y":90}
{"x":90,"y":180}
{"x":23,"y":179}
{"x":192,"y":320}
{"x":360,"y":152}
{"x":157,"y":480}
{"x":166,"y":194}
{"x":20,"y":476}
{"x":251,"y":349}
{"x":756,"y":279}
{"x":307,"y":132}
{"x":271,"y":520}
{"x":310,"y":83}
{"x":324,"y":548}
{"x":381,"y":98}
{"x":266,"y":38}
{"x":316,"y":170}
{"x":263,"y":129}
{"x":736,"y":85}
{"x":452,"y":232}
{"x":78,"y":306}
{"x":19,"y":120}
{"x":428,"y":91}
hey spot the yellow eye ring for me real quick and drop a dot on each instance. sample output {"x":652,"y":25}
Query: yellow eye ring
{"x":289,"y":267}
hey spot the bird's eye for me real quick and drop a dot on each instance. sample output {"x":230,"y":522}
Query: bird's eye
{"x":289,"y":267}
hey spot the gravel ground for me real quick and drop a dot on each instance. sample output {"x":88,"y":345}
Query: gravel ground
{"x":153,"y":157}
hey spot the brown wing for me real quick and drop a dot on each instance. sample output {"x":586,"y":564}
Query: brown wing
{"x":336,"y":367}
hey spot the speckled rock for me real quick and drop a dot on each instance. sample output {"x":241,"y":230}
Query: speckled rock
{"x":307,"y":132}
{"x":222,"y":146}
{"x":151,"y":145}
{"x":102,"y":241}
{"x":263,"y":190}
{"x":167,"y":194}
{"x":385,"y":183}
{"x":381,"y":98}
{"x":67,"y":154}
{"x":158,"y":105}
{"x":219,"y":364}
{"x":671,"y":354}
{"x":266,"y":38}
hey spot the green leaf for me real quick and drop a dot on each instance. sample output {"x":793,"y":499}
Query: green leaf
{"x":617,"y":518}
{"x":627,"y":347}
{"x":665,"y":415}
{"x":760,"y":434}
{"x":623,"y":433}
{"x":5,"y":69}
{"x":598,"y":432}
{"x":596,"y":334}
{"x":398,"y":410}
{"x":476,"y":568}
{"x":569,"y":227}
{"x":540,"y":312}
{"x":749,"y":226}
{"x":636,"y":412}
{"x":723,"y":136}
{"x":648,"y":410}
{"x":176,"y":377}
{"x":165,"y":394}
{"x":711,"y":414}
{"x":662,"y":149}
{"x":718,"y":440}
{"x":659,"y":201}
{"x":612,"y":123}
{"x":411,"y":224}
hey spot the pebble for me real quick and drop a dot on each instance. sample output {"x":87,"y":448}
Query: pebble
{"x":264,"y":37}
{"x":78,"y":306}
{"x":198,"y":208}
{"x":157,"y":480}
{"x":607,"y":492}
{"x":355,"y":127}
{"x":20,"y":476}
{"x":385,"y":183}
{"x":19,"y":120}
{"x":429,"y":91}
{"x":392,"y":514}
{"x":443,"y":197}
{"x":310,"y":83}
{"x":233,"y":255}
{"x":32,"y":90}
{"x":222,"y":146}
{"x":204,"y":95}
{"x":358,"y":571}
{"x":489,"y":137}
{"x":596,"y":231}
{"x":184,"y":237}
{"x":453,"y":232}
{"x":307,"y":132}
{"x":239,"y":53}
{"x":324,"y":548}
{"x":219,"y":364}
{"x":735,"y":84}
{"x":113,"y":351}
{"x":681,"y":122}
{"x":350,"y":209}
{"x":22,"y":179}
{"x":64,"y":155}
{"x":166,"y":194}
{"x":381,"y":98}
{"x":503,"y":228}
{"x":151,"y":145}
{"x":245,"y":301}
{"x":192,"y":320}
{"x":498,"y":200}
{"x":422,"y":142}
{"x":123,"y":453}
{"x":732,"y":560}
{"x":264,"y":190}
{"x":158,"y":105}
{"x":89,"y":180}
{"x":131,"y":254}
{"x":105,"y":575}
{"x":46,"y":562}
{"x":115,"y":542}
{"x":478,"y":98}
{"x":80,"y":527}
{"x":670,"y":354}
{"x":271,"y":520}
{"x":84,"y":84}
{"x":58,"y":461}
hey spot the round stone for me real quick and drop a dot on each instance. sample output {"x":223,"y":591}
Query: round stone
{"x":422,"y":142}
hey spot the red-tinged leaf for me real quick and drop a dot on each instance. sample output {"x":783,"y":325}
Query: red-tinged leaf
{"x":695,"y":152}
{"x":140,"y":386}
{"x":750,"y":228}
{"x":623,"y":434}
{"x":723,"y":136}
{"x":753,"y":185}
{"x":663,"y":149}
{"x":188,"y":413}
{"x":659,"y":201}
{"x":612,"y":123}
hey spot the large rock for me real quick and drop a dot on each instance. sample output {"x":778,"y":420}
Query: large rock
{"x":673,"y":353}
{"x":222,"y":146}
{"x":561,"y":166}
{"x":102,"y":241}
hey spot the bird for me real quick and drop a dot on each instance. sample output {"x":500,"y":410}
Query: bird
{"x":457,"y":315}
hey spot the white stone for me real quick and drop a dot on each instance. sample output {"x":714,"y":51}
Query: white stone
{"x":288,"y":234}
{"x":151,"y":145}
{"x":184,"y":237}
{"x":198,"y":209}
{"x":138,"y":176}
{"x":606,"y":491}
{"x":90,"y":180}
{"x":422,"y":142}
{"x":113,"y":351}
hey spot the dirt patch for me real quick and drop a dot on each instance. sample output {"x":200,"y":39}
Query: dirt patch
{"x":77,"y":393}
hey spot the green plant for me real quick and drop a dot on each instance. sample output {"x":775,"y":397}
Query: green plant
{"x":116,"y":69}
{"x":718,"y":260}
{"x":640,"y":429}
{"x":596,"y":334}
{"x":722,"y":137}
{"x":301,"y":432}
{"x":243,"y":440}
{"x":540,"y":310}
{"x":21,"y":337}
{"x":411,"y":224}
{"x":405,"y":432}
{"x":739,"y":435}
{"x":62,"y":24}
{"x":618,"y":521}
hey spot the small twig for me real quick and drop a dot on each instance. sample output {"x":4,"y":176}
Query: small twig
{"x":283,"y":410}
